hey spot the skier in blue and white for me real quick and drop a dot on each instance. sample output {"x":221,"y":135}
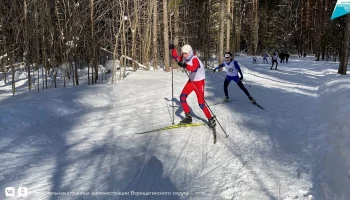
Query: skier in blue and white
{"x":232,"y":68}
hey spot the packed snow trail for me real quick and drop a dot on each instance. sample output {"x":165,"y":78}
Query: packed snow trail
{"x":83,"y":139}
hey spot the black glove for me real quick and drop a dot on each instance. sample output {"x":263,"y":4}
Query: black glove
{"x":241,"y":78}
{"x":171,"y":46}
{"x":182,"y":64}
{"x":214,"y":70}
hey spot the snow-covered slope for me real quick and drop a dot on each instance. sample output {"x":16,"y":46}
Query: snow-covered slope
{"x":334,"y":99}
{"x":82,"y":139}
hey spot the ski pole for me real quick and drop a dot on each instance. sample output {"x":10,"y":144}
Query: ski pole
{"x":246,"y":83}
{"x":242,"y":80}
{"x":219,"y":76}
{"x":172,"y":88}
{"x":194,"y":86}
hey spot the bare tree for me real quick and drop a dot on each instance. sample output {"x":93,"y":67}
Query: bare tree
{"x":155,"y":33}
{"x":92,"y":39}
{"x":222,"y":30}
{"x":147,"y":37}
{"x":255,"y":31}
{"x":116,"y":35}
{"x":228,"y":25}
{"x":37,"y":30}
{"x":56,"y":34}
{"x":345,"y":49}
{"x":166,"y":36}
{"x":238,"y":12}
{"x":122,"y":60}
{"x":26,"y":43}
{"x":13,"y":76}
{"x":134,"y":27}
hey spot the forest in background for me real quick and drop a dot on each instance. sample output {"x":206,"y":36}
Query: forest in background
{"x":48,"y":34}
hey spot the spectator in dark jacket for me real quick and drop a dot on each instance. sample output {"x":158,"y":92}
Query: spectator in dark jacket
{"x":282,"y":57}
{"x":287,"y":56}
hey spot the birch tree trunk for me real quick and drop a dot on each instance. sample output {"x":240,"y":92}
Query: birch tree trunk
{"x":116,"y":44}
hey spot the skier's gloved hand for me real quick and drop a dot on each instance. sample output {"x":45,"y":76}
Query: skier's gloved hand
{"x":182,"y":64}
{"x":214,"y":70}
{"x":171,"y":46}
{"x":241,"y":74}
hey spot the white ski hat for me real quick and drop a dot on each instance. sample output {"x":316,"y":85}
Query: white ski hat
{"x":228,"y":55}
{"x":186,"y":49}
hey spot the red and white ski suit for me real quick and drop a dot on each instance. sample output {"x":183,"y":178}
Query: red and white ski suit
{"x":197,"y":76}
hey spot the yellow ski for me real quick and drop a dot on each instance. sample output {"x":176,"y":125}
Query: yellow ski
{"x":172,"y":127}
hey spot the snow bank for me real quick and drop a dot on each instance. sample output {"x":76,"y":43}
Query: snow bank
{"x":335,"y":113}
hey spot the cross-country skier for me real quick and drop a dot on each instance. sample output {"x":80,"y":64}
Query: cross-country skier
{"x":233,"y":69}
{"x":265,"y":58}
{"x":274,"y":59}
{"x":189,"y":61}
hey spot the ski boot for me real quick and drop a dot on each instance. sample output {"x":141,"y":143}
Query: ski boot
{"x":276,"y":68}
{"x":211,"y":122}
{"x":226,"y":98}
{"x":187,"y":119}
{"x":251,"y":99}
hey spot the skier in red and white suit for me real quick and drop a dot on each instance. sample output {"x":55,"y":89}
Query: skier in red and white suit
{"x":189,"y":61}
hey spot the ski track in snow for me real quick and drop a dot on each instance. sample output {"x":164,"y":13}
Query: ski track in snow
{"x":84,"y":139}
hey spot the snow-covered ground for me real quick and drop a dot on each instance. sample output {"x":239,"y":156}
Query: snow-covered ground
{"x":80,"y":142}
